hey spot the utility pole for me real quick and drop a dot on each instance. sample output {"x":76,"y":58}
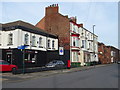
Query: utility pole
{"x":23,"y":61}
{"x":93,"y":47}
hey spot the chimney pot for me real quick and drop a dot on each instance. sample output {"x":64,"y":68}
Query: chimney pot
{"x":52,"y":10}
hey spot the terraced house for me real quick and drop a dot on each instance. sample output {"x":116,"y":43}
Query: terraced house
{"x":77,"y":41}
{"x":42,"y":47}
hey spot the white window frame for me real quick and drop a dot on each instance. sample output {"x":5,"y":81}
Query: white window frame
{"x":34,"y":41}
{"x":40,"y":42}
{"x":10,"y":39}
{"x":48,"y":44}
{"x":75,"y":56}
{"x":53,"y":44}
{"x":26,"y":39}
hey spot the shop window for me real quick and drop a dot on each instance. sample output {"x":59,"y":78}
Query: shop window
{"x":30,"y":57}
{"x":33,"y":41}
{"x":26,"y":39}
{"x":10,"y":39}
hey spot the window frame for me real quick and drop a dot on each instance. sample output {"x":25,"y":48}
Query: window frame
{"x":40,"y":42}
{"x":26,"y":39}
{"x":48,"y":44}
{"x":34,"y":41}
{"x":53,"y":44}
{"x":10,"y":39}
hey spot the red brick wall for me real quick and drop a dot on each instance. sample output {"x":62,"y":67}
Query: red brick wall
{"x":105,"y":57}
{"x":57,"y":24}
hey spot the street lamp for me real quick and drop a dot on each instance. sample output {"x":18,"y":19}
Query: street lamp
{"x":93,"y":46}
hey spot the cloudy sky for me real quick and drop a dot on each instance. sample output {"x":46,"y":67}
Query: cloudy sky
{"x":102,"y":14}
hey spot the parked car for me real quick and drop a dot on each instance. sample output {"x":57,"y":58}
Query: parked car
{"x":55,"y":63}
{"x":5,"y":66}
{"x":118,"y":62}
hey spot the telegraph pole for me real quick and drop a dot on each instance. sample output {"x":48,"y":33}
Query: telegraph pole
{"x":93,"y":47}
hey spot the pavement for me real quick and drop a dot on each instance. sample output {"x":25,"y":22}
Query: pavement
{"x":9,"y":77}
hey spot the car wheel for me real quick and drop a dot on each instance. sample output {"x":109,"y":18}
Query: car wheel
{"x":13,"y":70}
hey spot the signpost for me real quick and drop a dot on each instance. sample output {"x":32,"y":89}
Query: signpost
{"x":61,"y":51}
{"x":22,"y":47}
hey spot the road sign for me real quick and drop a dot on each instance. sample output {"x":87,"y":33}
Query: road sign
{"x":22,"y":46}
{"x":61,"y":51}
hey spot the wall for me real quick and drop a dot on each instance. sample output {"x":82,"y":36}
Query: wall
{"x":18,"y":40}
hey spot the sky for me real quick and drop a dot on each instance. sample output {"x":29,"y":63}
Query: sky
{"x":102,"y":14}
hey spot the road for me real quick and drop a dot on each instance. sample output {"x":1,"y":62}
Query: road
{"x":98,"y":77}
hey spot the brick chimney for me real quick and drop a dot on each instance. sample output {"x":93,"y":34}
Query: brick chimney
{"x":52,"y":9}
{"x":80,"y":25}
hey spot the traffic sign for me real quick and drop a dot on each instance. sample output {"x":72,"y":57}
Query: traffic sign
{"x":61,"y":51}
{"x":22,"y":46}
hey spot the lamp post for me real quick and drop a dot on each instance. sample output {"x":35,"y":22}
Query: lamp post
{"x":93,"y":47}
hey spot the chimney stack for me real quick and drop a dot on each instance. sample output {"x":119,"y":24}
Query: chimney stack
{"x":80,"y":25}
{"x":52,"y":9}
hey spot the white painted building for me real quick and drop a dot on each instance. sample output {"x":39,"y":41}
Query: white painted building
{"x":19,"y":33}
{"x":83,"y":50}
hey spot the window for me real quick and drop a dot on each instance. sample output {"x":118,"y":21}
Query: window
{"x":40,"y":42}
{"x":26,"y":39}
{"x":53,"y":44}
{"x":74,"y":29}
{"x":10,"y":39}
{"x":30,"y":57}
{"x":75,"y":56}
{"x":48,"y":43}
{"x":74,"y":42}
{"x":4,"y":63}
{"x":33,"y":41}
{"x":0,"y":39}
{"x":89,"y":46}
{"x":83,"y":43}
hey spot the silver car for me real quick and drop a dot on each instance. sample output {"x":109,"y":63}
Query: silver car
{"x":55,"y":63}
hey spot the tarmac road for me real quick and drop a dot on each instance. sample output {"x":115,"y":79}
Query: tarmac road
{"x":98,"y":77}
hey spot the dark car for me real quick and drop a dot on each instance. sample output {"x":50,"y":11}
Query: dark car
{"x":118,"y":62}
{"x":5,"y":66}
{"x":55,"y":63}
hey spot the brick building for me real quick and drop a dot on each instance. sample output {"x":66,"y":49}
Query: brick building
{"x":69,"y":33}
{"x":107,"y":54}
{"x":58,"y":24}
{"x":114,"y":54}
{"x":104,"y":55}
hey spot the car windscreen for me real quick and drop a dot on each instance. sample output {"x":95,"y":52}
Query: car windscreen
{"x":4,"y":63}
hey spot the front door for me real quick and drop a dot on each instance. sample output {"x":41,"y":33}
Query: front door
{"x":9,"y":57}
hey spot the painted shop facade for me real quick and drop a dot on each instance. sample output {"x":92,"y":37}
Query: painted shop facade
{"x":42,"y":47}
